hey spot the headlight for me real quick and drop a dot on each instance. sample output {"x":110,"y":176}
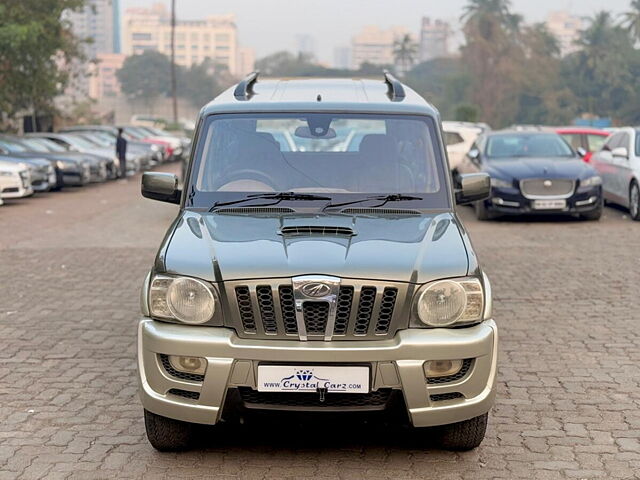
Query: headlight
{"x":445,"y":302}
{"x":499,"y":183}
{"x":591,"y":182}
{"x":181,"y":298}
{"x":155,"y":148}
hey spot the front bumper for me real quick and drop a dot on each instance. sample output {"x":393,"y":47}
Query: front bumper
{"x":395,"y":364}
{"x":511,"y":202}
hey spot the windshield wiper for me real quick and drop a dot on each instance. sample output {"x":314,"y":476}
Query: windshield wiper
{"x":276,"y":197}
{"x":395,"y":197}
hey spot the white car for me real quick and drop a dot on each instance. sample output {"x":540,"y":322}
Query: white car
{"x":15,"y":180}
{"x":459,"y":137}
{"x":618,"y":163}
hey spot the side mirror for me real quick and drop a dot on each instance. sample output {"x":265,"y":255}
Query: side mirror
{"x":473,"y":188}
{"x":620,"y":152}
{"x":161,"y":186}
{"x":474,"y":154}
{"x":582,"y":151}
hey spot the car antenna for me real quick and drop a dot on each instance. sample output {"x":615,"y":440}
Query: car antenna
{"x":395,"y":89}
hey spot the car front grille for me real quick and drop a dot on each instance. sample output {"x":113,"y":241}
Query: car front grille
{"x":377,"y":400}
{"x":543,"y":188}
{"x":364,"y":311}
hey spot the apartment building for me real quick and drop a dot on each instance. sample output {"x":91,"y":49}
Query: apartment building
{"x":98,"y":21}
{"x":566,"y":28}
{"x":375,"y":45}
{"x":103,"y":82}
{"x":434,"y":39}
{"x":214,"y":38}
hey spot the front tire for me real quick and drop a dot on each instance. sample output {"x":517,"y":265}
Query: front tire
{"x":634,"y":202}
{"x":594,"y":215}
{"x":168,"y":435}
{"x":482,"y":212}
{"x":464,"y":436}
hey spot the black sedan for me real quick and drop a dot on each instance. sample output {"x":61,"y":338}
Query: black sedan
{"x":534,"y":172}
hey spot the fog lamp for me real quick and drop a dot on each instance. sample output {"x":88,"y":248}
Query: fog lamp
{"x":442,"y":368}
{"x":188,"y":364}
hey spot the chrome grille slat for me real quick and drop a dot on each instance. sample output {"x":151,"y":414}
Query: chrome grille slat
{"x":364,"y":310}
{"x":547,"y":188}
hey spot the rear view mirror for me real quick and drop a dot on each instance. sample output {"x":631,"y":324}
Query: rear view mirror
{"x":161,"y":186}
{"x":473,"y":188}
{"x":621,"y":152}
{"x":582,"y":152}
{"x":319,"y":132}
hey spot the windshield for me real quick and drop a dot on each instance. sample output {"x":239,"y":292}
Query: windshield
{"x":320,"y":153}
{"x":79,"y":142}
{"x":95,"y":139}
{"x":11,"y":146}
{"x":50,"y":145}
{"x":524,"y":145}
{"x":33,"y":145}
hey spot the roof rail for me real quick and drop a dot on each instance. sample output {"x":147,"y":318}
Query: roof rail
{"x":396,"y":90}
{"x":244,"y":89}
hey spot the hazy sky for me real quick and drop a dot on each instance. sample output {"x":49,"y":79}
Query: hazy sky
{"x":271,"y":25}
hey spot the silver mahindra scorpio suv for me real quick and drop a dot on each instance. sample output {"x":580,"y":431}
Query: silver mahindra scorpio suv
{"x":317,"y":264}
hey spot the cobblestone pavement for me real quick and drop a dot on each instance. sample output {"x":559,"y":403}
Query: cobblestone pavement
{"x":71,"y":263}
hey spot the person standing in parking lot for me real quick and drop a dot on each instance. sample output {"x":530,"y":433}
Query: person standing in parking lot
{"x":121,"y":153}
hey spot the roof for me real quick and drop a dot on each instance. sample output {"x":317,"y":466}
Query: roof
{"x":318,"y":95}
{"x":583,"y":130}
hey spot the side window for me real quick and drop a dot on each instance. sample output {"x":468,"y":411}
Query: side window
{"x":452,"y":138}
{"x":624,"y":141}
{"x":573,"y":139}
{"x":612,"y":142}
{"x":596,"y":142}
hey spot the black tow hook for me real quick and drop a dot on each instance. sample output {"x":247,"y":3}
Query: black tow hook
{"x":323,"y":393}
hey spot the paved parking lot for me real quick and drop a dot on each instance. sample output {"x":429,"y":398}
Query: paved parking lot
{"x":71,"y":263}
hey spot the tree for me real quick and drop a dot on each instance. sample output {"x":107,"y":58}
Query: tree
{"x":36,"y":48}
{"x":145,"y":77}
{"x":631,"y":20}
{"x":404,"y":53}
{"x":492,"y":56}
{"x":601,"y":75}
{"x":198,"y":84}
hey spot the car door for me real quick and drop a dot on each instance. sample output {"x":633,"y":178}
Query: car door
{"x":622,"y":169}
{"x":603,"y":163}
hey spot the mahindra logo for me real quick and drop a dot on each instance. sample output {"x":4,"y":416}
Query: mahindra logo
{"x":316,"y":290}
{"x":548,"y":184}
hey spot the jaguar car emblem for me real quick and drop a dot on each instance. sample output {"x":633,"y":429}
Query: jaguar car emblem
{"x":316,"y":290}
{"x":548,"y":184}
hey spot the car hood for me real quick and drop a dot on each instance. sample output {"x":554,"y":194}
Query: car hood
{"x":14,"y":167}
{"x":521,"y":168}
{"x":221,"y":247}
{"x":34,"y":159}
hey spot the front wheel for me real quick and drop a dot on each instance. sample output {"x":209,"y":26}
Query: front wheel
{"x":482,"y":212}
{"x":634,"y":202}
{"x":465,"y":435}
{"x":168,"y":435}
{"x":594,"y":215}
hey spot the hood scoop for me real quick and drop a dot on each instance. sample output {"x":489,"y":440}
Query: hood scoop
{"x":316,"y":231}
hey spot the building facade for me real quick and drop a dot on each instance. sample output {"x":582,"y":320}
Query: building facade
{"x":375,"y":45}
{"x":434,"y":39}
{"x":214,"y":38}
{"x":98,"y":21}
{"x":103,"y":81}
{"x":566,"y":28}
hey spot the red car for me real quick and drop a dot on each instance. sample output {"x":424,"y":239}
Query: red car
{"x":591,"y":139}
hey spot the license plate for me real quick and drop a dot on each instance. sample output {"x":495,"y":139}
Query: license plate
{"x":288,"y":378}
{"x":549,"y":204}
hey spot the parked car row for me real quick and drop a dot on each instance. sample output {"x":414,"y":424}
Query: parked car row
{"x":76,"y":156}
{"x":549,"y":170}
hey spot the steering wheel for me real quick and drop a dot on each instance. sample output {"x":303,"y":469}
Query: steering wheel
{"x":249,"y":174}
